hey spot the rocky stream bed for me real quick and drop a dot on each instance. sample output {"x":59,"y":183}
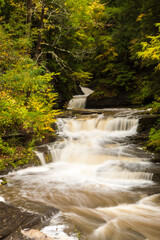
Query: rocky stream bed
{"x":14,"y":219}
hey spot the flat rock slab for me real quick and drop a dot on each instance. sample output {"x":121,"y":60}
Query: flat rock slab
{"x":12,"y":220}
{"x":36,"y":235}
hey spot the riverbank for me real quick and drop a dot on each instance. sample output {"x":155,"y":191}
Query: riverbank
{"x":22,"y":157}
{"x":17,"y":152}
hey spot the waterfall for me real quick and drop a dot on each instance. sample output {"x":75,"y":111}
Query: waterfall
{"x":40,"y":156}
{"x":110,"y":124}
{"x":79,"y":101}
{"x":121,"y":124}
{"x":98,"y":180}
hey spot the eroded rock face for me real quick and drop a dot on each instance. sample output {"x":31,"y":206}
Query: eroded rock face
{"x":146,"y":122}
{"x":108,"y":102}
{"x":11,"y":219}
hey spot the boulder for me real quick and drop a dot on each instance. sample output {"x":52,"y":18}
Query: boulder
{"x":12,"y":218}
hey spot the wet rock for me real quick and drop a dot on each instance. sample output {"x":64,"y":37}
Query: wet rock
{"x":11,"y":219}
{"x":156,"y":158}
{"x":140,"y":139}
{"x":156,"y":177}
{"x":108,"y":102}
{"x":146,"y":122}
{"x":3,"y":181}
{"x":36,"y":235}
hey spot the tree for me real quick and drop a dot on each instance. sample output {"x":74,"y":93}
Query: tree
{"x":29,"y":11}
{"x":27,"y":97}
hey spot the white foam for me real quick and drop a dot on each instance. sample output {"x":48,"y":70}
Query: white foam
{"x":2,"y":199}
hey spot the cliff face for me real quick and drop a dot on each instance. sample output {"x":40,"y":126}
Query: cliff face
{"x":108,"y":102}
{"x":146,"y":122}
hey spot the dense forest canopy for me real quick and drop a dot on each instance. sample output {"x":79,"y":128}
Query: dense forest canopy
{"x":50,"y":47}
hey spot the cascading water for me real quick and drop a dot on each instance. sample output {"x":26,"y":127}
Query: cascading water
{"x":41,"y":157}
{"x":100,"y":183}
{"x":79,"y":101}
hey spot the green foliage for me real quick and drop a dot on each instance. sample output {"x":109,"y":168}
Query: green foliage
{"x":14,"y":17}
{"x":131,"y":39}
{"x":81,"y":77}
{"x":3,"y":181}
{"x":78,"y":233}
{"x":11,"y":50}
{"x":88,"y":12}
{"x":143,"y":91}
{"x":5,"y":148}
{"x":12,"y":114}
{"x":156,"y":106}
{"x":150,"y":53}
{"x":20,"y":157}
{"x":2,"y":3}
{"x":154,"y":139}
{"x":26,"y":95}
{"x":125,"y":79}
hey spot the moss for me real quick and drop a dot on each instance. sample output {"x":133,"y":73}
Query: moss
{"x":154,"y":138}
{"x":22,"y":156}
{"x":3,"y":181}
{"x":78,"y":233}
{"x":17,"y":151}
{"x":48,"y":157}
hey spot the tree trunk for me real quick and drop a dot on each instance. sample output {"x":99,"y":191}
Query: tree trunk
{"x":39,"y":39}
{"x":29,"y":16}
{"x":29,"y":11}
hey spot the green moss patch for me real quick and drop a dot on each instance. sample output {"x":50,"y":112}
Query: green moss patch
{"x":19,"y":158}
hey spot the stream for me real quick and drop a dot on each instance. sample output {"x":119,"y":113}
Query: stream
{"x":102,"y":184}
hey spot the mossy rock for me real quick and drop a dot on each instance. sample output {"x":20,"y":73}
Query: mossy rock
{"x":22,"y":157}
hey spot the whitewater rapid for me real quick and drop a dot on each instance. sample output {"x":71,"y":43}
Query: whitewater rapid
{"x":98,"y":180}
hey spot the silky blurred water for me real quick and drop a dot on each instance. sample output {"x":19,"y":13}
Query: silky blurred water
{"x":98,"y":180}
